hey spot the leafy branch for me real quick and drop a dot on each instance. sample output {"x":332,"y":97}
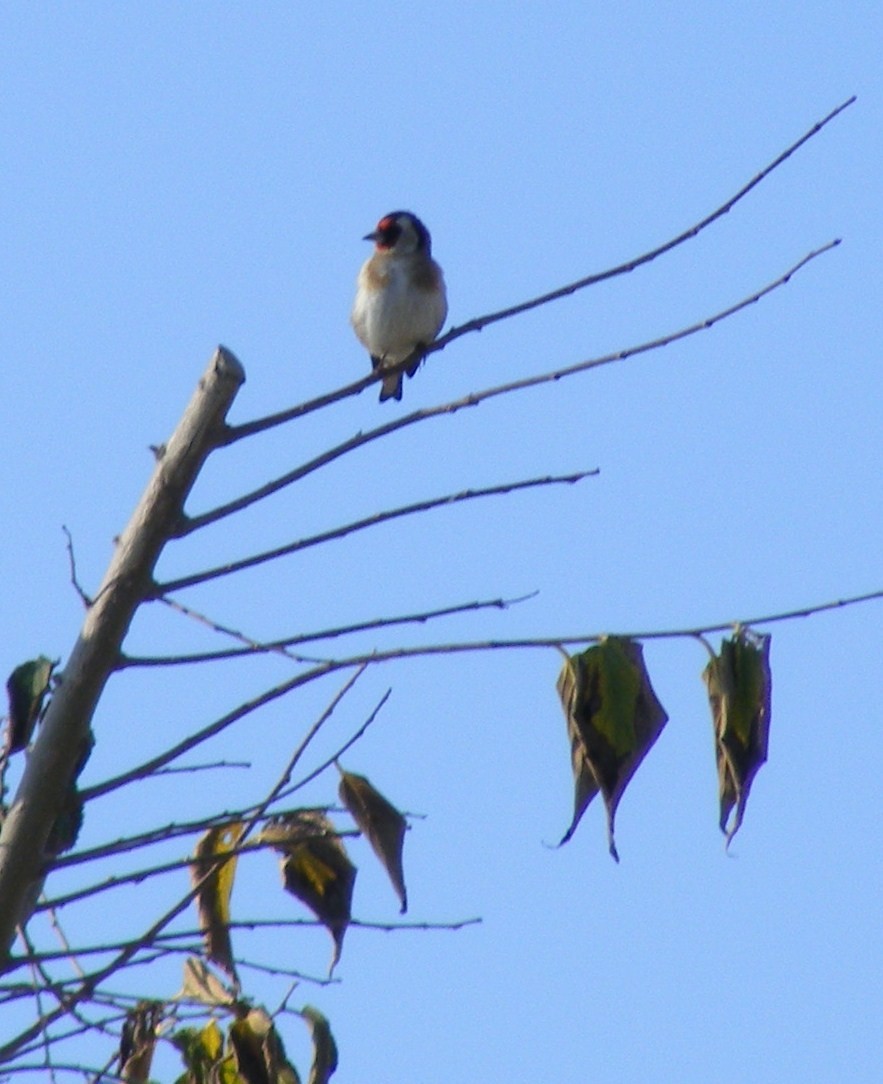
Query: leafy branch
{"x":324,"y":666}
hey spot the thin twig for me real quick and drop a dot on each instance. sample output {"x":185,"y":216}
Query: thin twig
{"x":92,"y":982}
{"x":190,"y":939}
{"x":162,"y":834}
{"x":764,"y":619}
{"x":120,"y":880}
{"x":302,"y":747}
{"x":72,"y":565}
{"x":84,"y":1027}
{"x":348,"y":744}
{"x":39,"y":977}
{"x":190,"y":524}
{"x":55,"y":923}
{"x":253,"y":646}
{"x":482,"y":322}
{"x":209,"y":731}
{"x":189,"y":769}
{"x":255,"y":816}
{"x":368,"y":521}
{"x":78,"y":1069}
{"x":154,"y":836}
{"x":556,"y":642}
{"x":180,"y":941}
{"x":36,"y":962}
{"x":234,"y":433}
{"x":276,"y":647}
{"x":148,"y":872}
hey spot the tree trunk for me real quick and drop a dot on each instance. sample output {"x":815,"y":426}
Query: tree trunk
{"x":64,"y":736}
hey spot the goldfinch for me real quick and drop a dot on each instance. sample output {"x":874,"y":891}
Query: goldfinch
{"x":400,"y":300}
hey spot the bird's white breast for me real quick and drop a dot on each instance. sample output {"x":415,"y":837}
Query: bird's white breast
{"x":391,"y":315}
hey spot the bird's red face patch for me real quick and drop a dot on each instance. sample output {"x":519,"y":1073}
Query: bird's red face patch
{"x":388,"y":232}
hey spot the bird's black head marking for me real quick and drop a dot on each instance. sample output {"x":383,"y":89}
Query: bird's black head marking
{"x":390,"y":228}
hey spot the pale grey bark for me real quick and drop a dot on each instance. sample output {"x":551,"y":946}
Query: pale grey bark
{"x":64,"y":734}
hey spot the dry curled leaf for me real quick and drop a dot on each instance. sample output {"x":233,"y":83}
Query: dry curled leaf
{"x":613,"y":718}
{"x":215,"y":879}
{"x":382,"y":824}
{"x":138,"y":1040}
{"x":324,"y":1046}
{"x":258,"y":1050}
{"x":315,"y":868}
{"x":202,"y":985}
{"x":739,"y":683}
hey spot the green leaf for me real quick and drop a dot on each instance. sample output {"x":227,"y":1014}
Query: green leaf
{"x":613,"y":719}
{"x":324,"y":1046}
{"x":213,"y":897}
{"x":202,"y":1051}
{"x":27,"y":686}
{"x":382,"y":824}
{"x":739,"y":683}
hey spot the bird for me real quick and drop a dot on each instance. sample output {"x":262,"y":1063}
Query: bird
{"x":401,"y":303}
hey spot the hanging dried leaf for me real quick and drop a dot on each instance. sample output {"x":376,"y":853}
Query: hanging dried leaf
{"x":613,"y":718}
{"x":27,"y":687}
{"x":138,"y":1040}
{"x":213,"y":897}
{"x":739,"y":685}
{"x":202,"y":1051}
{"x":324,"y":1046}
{"x":200,"y":984}
{"x":315,"y":868}
{"x":299,"y":826}
{"x":382,"y":824}
{"x":258,"y":1050}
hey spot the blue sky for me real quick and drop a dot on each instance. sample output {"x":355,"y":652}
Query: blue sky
{"x":179,"y":175}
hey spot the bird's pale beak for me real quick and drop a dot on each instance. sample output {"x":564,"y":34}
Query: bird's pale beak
{"x":370,"y":236}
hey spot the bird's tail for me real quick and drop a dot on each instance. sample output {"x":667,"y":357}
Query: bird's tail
{"x":391,"y":388}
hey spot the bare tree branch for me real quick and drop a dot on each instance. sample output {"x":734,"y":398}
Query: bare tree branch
{"x":482,"y":322}
{"x":119,"y":880}
{"x":261,"y":647}
{"x":302,"y":747}
{"x":368,"y":521}
{"x":72,"y":565}
{"x":191,"y":937}
{"x":259,"y":425}
{"x":166,"y":832}
{"x":147,"y":873}
{"x":161,"y":834}
{"x":193,"y":523}
{"x":192,"y":769}
{"x":348,"y":744}
{"x":213,"y":728}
